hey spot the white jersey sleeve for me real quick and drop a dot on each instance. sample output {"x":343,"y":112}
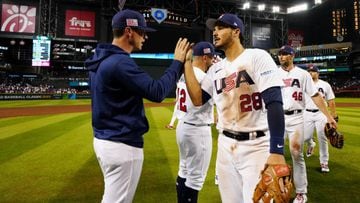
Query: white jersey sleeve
{"x":185,"y":109}
{"x":266,"y":71}
{"x":297,"y":83}
{"x":324,"y":89}
{"x":236,"y":87}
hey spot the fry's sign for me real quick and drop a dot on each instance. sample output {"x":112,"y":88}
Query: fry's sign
{"x":80,"y":23}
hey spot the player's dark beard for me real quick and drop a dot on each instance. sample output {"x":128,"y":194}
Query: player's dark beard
{"x":285,"y":64}
{"x":225,"y":43}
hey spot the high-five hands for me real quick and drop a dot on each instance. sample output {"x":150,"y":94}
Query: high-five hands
{"x":181,"y":49}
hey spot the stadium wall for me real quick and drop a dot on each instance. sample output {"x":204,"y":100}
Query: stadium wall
{"x":42,"y":96}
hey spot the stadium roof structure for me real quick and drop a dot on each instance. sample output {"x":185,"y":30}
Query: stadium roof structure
{"x":274,"y":6}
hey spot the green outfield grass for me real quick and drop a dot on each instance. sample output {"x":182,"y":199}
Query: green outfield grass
{"x":49,"y":158}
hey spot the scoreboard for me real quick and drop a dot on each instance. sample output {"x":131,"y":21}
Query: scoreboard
{"x":41,"y":51}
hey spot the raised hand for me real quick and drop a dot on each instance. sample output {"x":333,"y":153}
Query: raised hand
{"x":182,"y":46}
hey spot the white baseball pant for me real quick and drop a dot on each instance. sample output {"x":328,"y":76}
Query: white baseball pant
{"x":121,"y":166}
{"x":317,"y":120}
{"x":294,"y":129}
{"x":239,"y":165}
{"x":195,"y":146}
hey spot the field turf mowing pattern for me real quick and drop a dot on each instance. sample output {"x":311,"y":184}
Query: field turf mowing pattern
{"x":49,"y":158}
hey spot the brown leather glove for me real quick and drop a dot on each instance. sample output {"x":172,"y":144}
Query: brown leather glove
{"x":335,"y":138}
{"x":276,"y":183}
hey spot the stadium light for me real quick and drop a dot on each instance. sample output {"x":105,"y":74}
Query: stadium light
{"x":261,"y":7}
{"x":318,"y":2}
{"x":246,"y":5}
{"x":276,"y":9}
{"x":297,"y":8}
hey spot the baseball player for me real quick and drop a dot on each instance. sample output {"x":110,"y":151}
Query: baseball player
{"x":245,"y":88}
{"x":193,"y":131}
{"x":297,"y":83}
{"x":118,"y":87}
{"x":313,"y":118}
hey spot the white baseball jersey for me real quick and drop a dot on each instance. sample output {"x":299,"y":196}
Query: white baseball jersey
{"x":185,"y":109}
{"x":297,"y":82}
{"x":318,"y":120}
{"x":236,"y":86}
{"x":326,"y":91}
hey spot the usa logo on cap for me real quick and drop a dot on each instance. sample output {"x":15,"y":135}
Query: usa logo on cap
{"x":207,"y":51}
{"x":132,"y":22}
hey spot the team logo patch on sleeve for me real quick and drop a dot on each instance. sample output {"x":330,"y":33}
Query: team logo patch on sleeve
{"x":266,"y":72}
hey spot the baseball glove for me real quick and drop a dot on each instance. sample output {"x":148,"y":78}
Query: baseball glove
{"x":276,"y":183}
{"x":336,"y":139}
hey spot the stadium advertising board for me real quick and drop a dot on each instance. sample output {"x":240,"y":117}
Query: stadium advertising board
{"x":18,"y":18}
{"x":295,"y":38}
{"x":261,"y":36}
{"x":29,"y":96}
{"x":80,"y":23}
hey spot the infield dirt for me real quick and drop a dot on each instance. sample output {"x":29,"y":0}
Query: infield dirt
{"x":44,"y":110}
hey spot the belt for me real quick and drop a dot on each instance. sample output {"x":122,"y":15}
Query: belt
{"x":242,"y":136}
{"x":198,"y":125}
{"x":292,"y":112}
{"x":312,"y":110}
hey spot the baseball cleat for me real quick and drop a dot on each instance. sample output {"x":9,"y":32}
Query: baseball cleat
{"x":325,"y":168}
{"x":310,"y":149}
{"x":300,"y":198}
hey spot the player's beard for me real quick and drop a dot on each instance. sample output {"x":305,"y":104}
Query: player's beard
{"x":285,"y":64}
{"x":223,"y":43}
{"x":220,"y":44}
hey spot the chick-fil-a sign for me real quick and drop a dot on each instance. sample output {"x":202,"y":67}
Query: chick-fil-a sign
{"x":18,"y":18}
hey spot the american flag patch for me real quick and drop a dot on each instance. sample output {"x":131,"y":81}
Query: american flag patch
{"x":132,"y":22}
{"x":207,"y":51}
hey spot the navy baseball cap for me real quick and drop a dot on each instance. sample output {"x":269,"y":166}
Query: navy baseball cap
{"x":231,"y":20}
{"x":286,"y":49}
{"x":203,"y":48}
{"x":130,"y":18}
{"x":313,"y":68}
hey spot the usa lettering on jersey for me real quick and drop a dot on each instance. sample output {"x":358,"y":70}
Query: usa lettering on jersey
{"x":291,"y":82}
{"x":232,"y":81}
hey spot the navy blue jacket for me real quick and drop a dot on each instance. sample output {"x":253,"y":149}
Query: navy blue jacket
{"x":118,"y":87}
